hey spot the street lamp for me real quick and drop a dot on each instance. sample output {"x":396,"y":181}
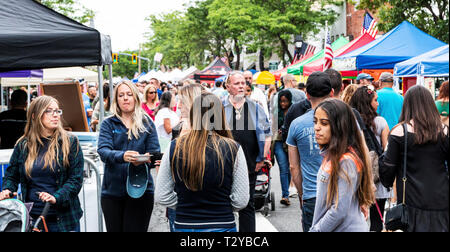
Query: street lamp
{"x":298,"y":42}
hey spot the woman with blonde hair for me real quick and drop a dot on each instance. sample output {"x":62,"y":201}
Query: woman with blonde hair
{"x":348,"y":93}
{"x":125,"y":143}
{"x":204,"y":172}
{"x":186,"y":95}
{"x":48,"y":163}
{"x":150,"y":100}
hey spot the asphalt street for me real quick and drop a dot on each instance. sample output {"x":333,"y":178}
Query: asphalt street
{"x":283,"y":219}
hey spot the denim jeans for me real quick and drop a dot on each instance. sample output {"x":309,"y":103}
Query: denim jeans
{"x":197,"y":230}
{"x":171,"y":213}
{"x":283,"y":164}
{"x":308,"y":213}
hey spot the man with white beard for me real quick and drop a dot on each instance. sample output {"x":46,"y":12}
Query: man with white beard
{"x":251,"y":129}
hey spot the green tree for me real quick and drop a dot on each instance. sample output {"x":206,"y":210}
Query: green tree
{"x":234,"y":20}
{"x":280,"y":20}
{"x":124,"y":67}
{"x":431,"y":16}
{"x":70,"y":8}
{"x":168,"y":38}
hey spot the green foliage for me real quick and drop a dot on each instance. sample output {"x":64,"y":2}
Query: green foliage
{"x":218,"y":28}
{"x":431,"y":16}
{"x":70,"y":8}
{"x":125,"y":68}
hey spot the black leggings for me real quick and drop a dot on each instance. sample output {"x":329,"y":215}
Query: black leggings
{"x":128,"y":214}
{"x":375,"y":220}
{"x":247,"y":218}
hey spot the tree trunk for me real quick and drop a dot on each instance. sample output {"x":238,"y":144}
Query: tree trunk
{"x":238,"y":50}
{"x":285,"y":48}
{"x":261,"y":59}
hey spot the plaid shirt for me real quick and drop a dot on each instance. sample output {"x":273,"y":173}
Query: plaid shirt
{"x":69,"y":182}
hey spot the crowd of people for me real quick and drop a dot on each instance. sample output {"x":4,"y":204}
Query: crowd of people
{"x":208,"y":144}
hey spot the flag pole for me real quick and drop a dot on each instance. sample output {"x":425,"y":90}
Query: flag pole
{"x":325,"y":44}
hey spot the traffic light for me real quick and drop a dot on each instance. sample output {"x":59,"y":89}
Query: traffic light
{"x":134,"y":58}
{"x":115,"y":58}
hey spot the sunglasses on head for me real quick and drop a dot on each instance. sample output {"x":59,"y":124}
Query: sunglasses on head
{"x":370,"y":89}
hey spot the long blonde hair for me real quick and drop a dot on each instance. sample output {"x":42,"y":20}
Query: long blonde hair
{"x":348,"y":93}
{"x":59,"y":141}
{"x":207,"y":120}
{"x":187,"y":95}
{"x":140,"y":117}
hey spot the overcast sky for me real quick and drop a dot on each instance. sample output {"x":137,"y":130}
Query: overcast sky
{"x":124,"y":20}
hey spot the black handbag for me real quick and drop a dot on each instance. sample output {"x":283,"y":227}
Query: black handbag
{"x":397,"y":216}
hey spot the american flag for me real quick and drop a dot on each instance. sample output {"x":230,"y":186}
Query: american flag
{"x":369,"y":25}
{"x":309,"y":49}
{"x":328,"y":54}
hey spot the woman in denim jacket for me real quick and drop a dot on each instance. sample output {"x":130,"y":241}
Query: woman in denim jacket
{"x":123,"y":136}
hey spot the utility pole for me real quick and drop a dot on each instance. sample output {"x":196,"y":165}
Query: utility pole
{"x":139,"y":59}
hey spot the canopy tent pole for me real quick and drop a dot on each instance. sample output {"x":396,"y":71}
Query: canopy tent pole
{"x":1,"y":96}
{"x":111,"y":84}
{"x":28,"y":94}
{"x":100,"y":94}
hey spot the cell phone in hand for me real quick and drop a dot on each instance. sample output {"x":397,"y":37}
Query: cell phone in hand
{"x":142,"y":158}
{"x":156,"y":156}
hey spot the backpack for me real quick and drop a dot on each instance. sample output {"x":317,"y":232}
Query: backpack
{"x":375,"y":149}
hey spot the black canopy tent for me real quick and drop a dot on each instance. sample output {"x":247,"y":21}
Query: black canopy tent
{"x":33,"y":36}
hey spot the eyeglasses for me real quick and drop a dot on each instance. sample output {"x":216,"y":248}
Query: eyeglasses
{"x":152,"y":92}
{"x":52,"y":112}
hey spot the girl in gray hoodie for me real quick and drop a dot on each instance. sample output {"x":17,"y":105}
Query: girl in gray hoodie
{"x":344,"y":184}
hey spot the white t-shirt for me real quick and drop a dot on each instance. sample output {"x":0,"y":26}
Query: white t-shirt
{"x":159,"y":122}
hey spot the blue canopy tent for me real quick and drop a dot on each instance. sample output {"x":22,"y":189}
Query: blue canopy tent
{"x":434,"y":63}
{"x":401,"y":43}
{"x":25,"y":74}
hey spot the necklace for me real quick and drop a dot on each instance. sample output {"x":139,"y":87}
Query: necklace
{"x":238,"y":113}
{"x":238,"y":110}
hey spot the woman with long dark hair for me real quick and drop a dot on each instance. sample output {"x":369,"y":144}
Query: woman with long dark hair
{"x":427,"y":187}
{"x":344,"y":180}
{"x":165,"y":118}
{"x":204,"y":173}
{"x":365,"y":101}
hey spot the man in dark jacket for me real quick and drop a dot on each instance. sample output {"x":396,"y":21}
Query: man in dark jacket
{"x":13,"y":121}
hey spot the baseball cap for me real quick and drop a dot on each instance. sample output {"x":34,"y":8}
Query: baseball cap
{"x":364,"y":76}
{"x":386,"y":77}
{"x":318,"y":84}
{"x":137,"y":180}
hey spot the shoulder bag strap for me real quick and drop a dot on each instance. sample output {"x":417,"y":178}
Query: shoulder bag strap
{"x":405,"y":130}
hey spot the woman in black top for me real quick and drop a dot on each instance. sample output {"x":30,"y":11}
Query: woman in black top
{"x":427,"y":185}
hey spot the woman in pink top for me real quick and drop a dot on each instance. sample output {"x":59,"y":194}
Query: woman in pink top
{"x":151,"y":101}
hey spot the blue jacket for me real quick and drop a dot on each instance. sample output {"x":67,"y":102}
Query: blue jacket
{"x":112,"y":144}
{"x":259,"y":119}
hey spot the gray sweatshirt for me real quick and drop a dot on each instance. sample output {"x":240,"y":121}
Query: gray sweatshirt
{"x":347,"y":217}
